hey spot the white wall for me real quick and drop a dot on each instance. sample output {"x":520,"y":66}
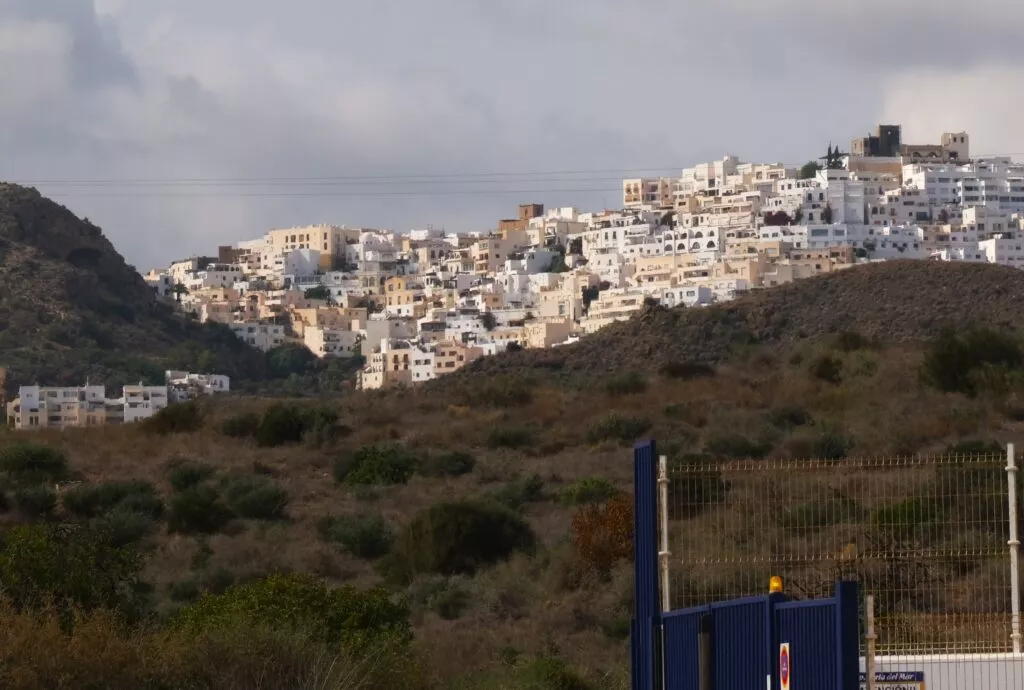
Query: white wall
{"x":955,"y":671}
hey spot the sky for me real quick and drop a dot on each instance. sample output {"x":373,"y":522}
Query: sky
{"x":179,"y":126}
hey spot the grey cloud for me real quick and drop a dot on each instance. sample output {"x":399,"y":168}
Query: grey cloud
{"x":397,"y":87}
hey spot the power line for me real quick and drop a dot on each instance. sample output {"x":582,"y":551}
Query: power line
{"x":432,"y":192}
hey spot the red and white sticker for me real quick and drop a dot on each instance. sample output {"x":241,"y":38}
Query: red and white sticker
{"x":784,"y":666}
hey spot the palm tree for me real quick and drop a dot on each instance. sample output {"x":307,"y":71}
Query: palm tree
{"x":179,"y":289}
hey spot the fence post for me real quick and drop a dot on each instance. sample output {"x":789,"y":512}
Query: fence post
{"x":847,"y":636}
{"x":646,"y":655}
{"x":1014,"y":543}
{"x":664,"y":555}
{"x":870,"y":637}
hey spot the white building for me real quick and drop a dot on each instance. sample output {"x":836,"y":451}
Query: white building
{"x":330,"y":342}
{"x":183,"y":385}
{"x":264,"y":336}
{"x":141,"y":402}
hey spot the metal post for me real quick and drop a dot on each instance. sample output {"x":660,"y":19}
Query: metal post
{"x":664,"y":554}
{"x":870,"y":637}
{"x":1014,"y":543}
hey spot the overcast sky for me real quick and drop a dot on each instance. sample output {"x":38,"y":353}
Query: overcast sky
{"x":230,"y":90}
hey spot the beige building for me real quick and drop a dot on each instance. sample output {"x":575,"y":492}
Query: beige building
{"x":450,"y":356}
{"x":617,"y":304}
{"x":41,"y":407}
{"x":325,"y":341}
{"x":547,"y":333}
{"x":329,"y":240}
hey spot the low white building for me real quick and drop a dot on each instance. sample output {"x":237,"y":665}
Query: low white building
{"x":264,"y":336}
{"x":184,"y":385}
{"x":324,"y":341}
{"x":141,"y":402}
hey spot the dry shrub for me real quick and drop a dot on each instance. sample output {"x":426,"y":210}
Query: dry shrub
{"x":603,"y":533}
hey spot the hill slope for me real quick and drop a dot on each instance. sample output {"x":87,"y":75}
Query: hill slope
{"x":892,"y":302}
{"x":71,"y":308}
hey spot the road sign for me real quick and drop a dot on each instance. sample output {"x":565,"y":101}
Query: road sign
{"x":784,"y":666}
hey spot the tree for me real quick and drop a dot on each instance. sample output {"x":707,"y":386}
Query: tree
{"x":826,"y":214}
{"x":833,"y":158}
{"x":576,"y":246}
{"x":943,"y":216}
{"x":557,"y":265}
{"x":809,"y":169}
{"x":488,"y":320}
{"x":179,"y":289}
{"x":318,"y":292}
{"x":777,"y":218}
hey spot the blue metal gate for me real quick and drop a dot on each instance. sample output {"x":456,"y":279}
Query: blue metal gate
{"x":732,"y":645}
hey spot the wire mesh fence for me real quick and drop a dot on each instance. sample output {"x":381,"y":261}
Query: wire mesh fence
{"x":927,"y":537}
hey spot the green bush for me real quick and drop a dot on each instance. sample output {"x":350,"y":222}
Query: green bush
{"x":851,"y":341}
{"x":687,"y":370}
{"x":198,"y":510}
{"x":123,"y":525}
{"x":523,"y":489}
{"x":502,"y":392}
{"x":909,"y":519}
{"x":814,"y":516}
{"x":827,"y":368}
{"x":35,"y":501}
{"x":628,"y":383}
{"x":953,"y":360}
{"x":187,"y":474}
{"x":92,"y":500}
{"x":617,"y":427}
{"x":51,"y":565}
{"x":321,"y":427}
{"x":453,"y":464}
{"x":179,"y":418}
{"x":32,"y":463}
{"x":280,"y":425}
{"x":243,"y":425}
{"x":446,"y":597}
{"x":371,"y":465}
{"x":364,"y":536}
{"x":734,"y":446}
{"x":343,"y":616}
{"x":457,"y":538}
{"x":183,"y":591}
{"x":695,"y":489}
{"x":509,"y":437}
{"x":255,"y":497}
{"x":540,"y":673}
{"x":831,"y":447}
{"x":587,"y":490}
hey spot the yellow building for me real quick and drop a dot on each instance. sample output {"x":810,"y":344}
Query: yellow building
{"x":329,"y":240}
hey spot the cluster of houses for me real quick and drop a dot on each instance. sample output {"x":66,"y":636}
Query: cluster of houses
{"x":44,"y":407}
{"x":424,"y":303}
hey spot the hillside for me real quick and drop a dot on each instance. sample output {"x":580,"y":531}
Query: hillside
{"x":71,"y":308}
{"x":470,"y":502}
{"x":890,"y":302}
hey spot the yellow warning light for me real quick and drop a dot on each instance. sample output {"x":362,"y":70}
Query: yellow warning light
{"x":775,"y":584}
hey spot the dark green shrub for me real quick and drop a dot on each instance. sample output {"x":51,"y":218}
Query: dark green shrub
{"x":851,"y":341}
{"x":321,"y":427}
{"x":32,"y":463}
{"x":910,"y":519}
{"x":184,"y":591}
{"x":342,"y":616}
{"x":687,"y":370}
{"x":372,"y":465}
{"x":509,"y":437}
{"x":280,"y":425}
{"x":457,"y":538}
{"x":789,"y":416}
{"x":444,"y":596}
{"x":520,"y":491}
{"x":241,"y":426}
{"x":617,"y":427}
{"x":5,"y":503}
{"x":588,"y":490}
{"x":831,"y":447}
{"x":187,"y":474}
{"x":123,"y":525}
{"x":92,"y":500}
{"x":453,"y":464}
{"x":953,"y":360}
{"x":628,"y":383}
{"x":364,"y":536}
{"x":737,"y":447}
{"x":827,"y":368}
{"x":198,"y":510}
{"x":502,"y":392}
{"x":540,"y":673}
{"x":255,"y":497}
{"x":35,"y":501}
{"x":814,"y":516}
{"x":179,"y":418}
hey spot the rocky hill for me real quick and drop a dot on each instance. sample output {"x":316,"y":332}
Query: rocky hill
{"x":889,"y":302}
{"x":72,"y":309}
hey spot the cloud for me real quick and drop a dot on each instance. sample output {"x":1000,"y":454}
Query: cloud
{"x":147,"y":89}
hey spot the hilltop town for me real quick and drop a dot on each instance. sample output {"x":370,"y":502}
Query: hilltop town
{"x":424,"y":303}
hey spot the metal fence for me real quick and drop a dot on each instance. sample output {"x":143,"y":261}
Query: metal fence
{"x":927,"y":538}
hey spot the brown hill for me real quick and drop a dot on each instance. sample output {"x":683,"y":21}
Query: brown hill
{"x":890,"y":302}
{"x":71,"y":308}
